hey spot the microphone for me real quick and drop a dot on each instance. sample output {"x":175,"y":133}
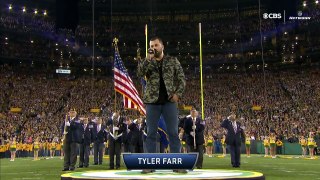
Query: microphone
{"x":150,"y":51}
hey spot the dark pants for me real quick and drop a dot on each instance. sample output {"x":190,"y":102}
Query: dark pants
{"x":84,"y":155}
{"x":98,"y":151}
{"x":235,"y":154}
{"x":279,"y":149}
{"x":114,"y":149}
{"x":126,"y":147}
{"x":169,"y":112}
{"x":199,"y":149}
{"x":70,"y":154}
{"x":135,"y":148}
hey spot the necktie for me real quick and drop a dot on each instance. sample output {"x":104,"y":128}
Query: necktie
{"x":98,"y":129}
{"x":235,"y":127}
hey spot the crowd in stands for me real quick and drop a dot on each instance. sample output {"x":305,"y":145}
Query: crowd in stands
{"x":289,"y":100}
{"x":222,"y":38}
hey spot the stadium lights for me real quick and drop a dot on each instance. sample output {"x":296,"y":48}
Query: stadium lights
{"x":45,"y":12}
{"x":31,"y":41}
{"x":24,"y":9}
{"x":304,"y":3}
{"x":317,"y":2}
{"x":6,"y":38}
{"x":35,"y":11}
{"x":10,"y":6}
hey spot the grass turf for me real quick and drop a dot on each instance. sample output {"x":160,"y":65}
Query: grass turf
{"x":279,"y":168}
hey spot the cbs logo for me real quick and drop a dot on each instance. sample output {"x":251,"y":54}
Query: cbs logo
{"x":271,"y":15}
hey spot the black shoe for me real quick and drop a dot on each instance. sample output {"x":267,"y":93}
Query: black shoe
{"x":80,"y":166}
{"x":86,"y":166}
{"x":65,"y":169}
{"x":95,"y":164}
{"x":199,"y":167}
{"x":71,"y":169}
{"x":111,"y":168}
{"x":100,"y":163}
{"x":147,"y":171}
{"x":181,"y":171}
{"x":117,"y":167}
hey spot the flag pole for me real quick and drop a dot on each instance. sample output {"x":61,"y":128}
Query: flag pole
{"x":201,"y":78}
{"x":115,"y":45}
{"x":146,"y":39}
{"x":146,"y":34}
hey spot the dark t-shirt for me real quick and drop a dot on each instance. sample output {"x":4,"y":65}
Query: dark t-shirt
{"x":163,"y":95}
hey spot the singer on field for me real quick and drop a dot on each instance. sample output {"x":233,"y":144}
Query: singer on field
{"x":165,"y":85}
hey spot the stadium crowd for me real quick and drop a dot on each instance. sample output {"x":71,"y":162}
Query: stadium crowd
{"x":288,"y":102}
{"x":284,"y":101}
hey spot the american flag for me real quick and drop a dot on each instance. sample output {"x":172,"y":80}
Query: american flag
{"x":124,"y":85}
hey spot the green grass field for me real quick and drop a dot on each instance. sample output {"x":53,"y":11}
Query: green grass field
{"x":279,"y":168}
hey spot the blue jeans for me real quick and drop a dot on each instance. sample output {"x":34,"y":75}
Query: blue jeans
{"x":169,"y":112}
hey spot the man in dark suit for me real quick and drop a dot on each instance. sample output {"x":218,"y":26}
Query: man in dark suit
{"x":100,"y":136}
{"x":193,"y":128}
{"x":116,"y":126}
{"x":135,"y":133}
{"x":72,"y":137}
{"x":126,"y":139}
{"x":87,"y":138}
{"x":234,"y":138}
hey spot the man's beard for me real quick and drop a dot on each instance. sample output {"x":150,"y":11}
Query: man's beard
{"x":157,"y":54}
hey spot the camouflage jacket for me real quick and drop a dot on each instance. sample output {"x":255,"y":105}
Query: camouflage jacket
{"x":172,"y":74}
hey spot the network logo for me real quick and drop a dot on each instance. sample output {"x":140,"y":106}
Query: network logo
{"x":299,"y":17}
{"x":272,"y":16}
